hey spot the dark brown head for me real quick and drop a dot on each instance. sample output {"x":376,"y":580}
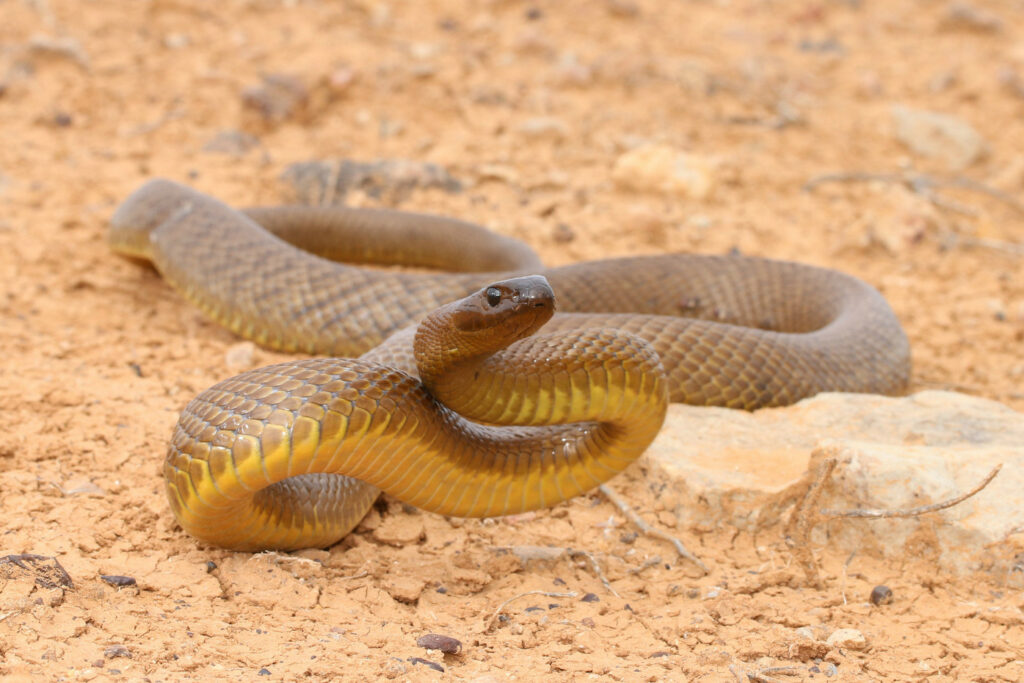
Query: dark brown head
{"x":516,"y":305}
{"x":482,"y":323}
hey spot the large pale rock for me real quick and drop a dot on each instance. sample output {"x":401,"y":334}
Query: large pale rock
{"x":744,"y":469}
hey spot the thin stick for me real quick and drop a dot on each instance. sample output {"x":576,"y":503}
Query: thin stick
{"x":352,"y":576}
{"x":918,"y":511}
{"x":921,"y":184}
{"x":1015,"y":248}
{"x":762,"y":674}
{"x":647,"y":529}
{"x":850,"y":176}
{"x":649,"y":562}
{"x":546,"y":594}
{"x":596,"y":567}
{"x":846,"y":566}
{"x":798,"y":530}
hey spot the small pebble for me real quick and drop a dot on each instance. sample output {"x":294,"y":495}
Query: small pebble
{"x":263,"y":672}
{"x":563,"y":234}
{"x":277,"y":97}
{"x":117,"y":651}
{"x":119,"y":581}
{"x":436,"y":641}
{"x":590,"y":597}
{"x":881,"y":595}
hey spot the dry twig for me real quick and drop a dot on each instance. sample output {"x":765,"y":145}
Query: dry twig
{"x":921,"y":184}
{"x":596,"y":567}
{"x":762,"y":674}
{"x":647,"y":529}
{"x":1015,"y":248}
{"x":798,"y":531}
{"x":918,"y":511}
{"x":502,"y":606}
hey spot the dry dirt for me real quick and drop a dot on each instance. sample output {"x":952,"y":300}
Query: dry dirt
{"x":530,"y":105}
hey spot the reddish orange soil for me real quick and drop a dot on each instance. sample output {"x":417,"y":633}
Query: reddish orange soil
{"x":530,"y":105}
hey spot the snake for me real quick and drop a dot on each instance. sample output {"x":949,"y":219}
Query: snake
{"x":452,"y":383}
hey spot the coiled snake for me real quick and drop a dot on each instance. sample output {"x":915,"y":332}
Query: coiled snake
{"x":255,"y":461}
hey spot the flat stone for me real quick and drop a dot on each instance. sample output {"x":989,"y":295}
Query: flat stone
{"x":743,"y":469}
{"x":939,"y":136}
{"x":664,"y":169}
{"x":848,"y":638}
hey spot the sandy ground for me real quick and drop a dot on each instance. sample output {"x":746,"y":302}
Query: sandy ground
{"x":529,"y":105}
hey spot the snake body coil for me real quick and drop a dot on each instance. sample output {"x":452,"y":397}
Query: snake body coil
{"x":254,"y":460}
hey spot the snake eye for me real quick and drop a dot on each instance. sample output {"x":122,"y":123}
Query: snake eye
{"x":493,"y":296}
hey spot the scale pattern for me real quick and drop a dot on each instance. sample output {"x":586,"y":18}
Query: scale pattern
{"x":255,"y":460}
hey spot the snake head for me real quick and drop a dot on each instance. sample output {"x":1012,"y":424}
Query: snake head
{"x":482,"y":323}
{"x":514,"y":308}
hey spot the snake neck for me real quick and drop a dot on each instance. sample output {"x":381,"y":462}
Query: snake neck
{"x":454,"y":343}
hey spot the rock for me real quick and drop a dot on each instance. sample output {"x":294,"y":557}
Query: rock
{"x":848,"y":639}
{"x":277,"y":97}
{"x":939,"y":136}
{"x":741,"y":468}
{"x":544,"y":128}
{"x":660,"y":168}
{"x":329,"y":182}
{"x":231,"y":142}
{"x":114,"y":651}
{"x":240,"y":356}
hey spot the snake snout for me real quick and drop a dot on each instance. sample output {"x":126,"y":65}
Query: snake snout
{"x":531,"y":291}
